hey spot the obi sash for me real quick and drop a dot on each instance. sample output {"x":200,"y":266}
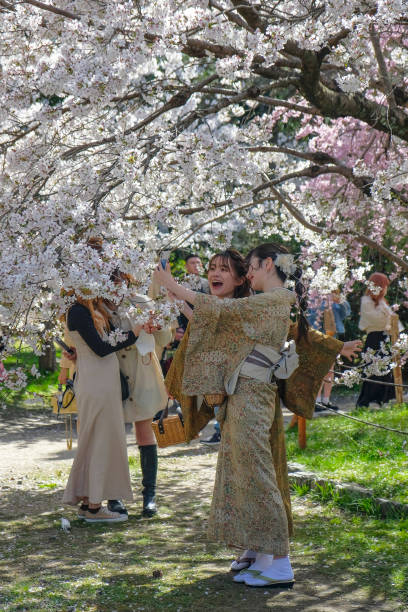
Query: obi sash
{"x":264,"y":364}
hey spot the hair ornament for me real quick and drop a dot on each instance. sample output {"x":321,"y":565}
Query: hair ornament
{"x":286,"y":263}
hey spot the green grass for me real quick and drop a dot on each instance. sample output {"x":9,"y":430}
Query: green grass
{"x":347,"y":451}
{"x":103,"y":568}
{"x":342,"y":543}
{"x":45,"y":386}
{"x":346,"y":500}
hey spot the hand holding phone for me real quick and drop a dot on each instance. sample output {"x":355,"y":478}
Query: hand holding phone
{"x":63,"y":345}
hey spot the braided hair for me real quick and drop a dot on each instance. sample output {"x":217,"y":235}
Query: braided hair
{"x":272,"y":250}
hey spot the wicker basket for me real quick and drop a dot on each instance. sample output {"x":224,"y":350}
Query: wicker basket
{"x":169,"y":430}
{"x":214,"y":399}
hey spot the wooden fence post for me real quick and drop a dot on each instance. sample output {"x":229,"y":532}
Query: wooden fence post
{"x":302,"y":432}
{"x":301,"y":423}
{"x":397,"y":369}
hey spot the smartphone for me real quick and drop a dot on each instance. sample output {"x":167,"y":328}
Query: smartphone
{"x":164,"y":263}
{"x":63,"y":345}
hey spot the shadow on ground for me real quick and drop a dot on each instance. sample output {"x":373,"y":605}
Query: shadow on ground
{"x":342,"y":563}
{"x":111,"y":567}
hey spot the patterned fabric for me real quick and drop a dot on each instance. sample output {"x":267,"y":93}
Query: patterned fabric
{"x":247,"y":509}
{"x":224,"y":332}
{"x":195,"y":417}
{"x":317,"y":353}
{"x":316,"y":356}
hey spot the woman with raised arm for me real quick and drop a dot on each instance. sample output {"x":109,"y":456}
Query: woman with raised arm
{"x":100,"y":470}
{"x":234,"y":345}
{"x":227,"y":279}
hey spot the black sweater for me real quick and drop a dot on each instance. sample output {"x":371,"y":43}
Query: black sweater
{"x":79,"y":319}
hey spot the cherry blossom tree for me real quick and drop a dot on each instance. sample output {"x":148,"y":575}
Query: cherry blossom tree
{"x":158,"y":123}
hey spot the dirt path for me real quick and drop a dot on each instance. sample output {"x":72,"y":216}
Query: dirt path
{"x":34,"y":463}
{"x":36,"y":442}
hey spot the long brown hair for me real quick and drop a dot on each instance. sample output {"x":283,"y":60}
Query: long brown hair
{"x":236,"y":262}
{"x":271,"y":249}
{"x":95,"y":306}
{"x":381,"y":281}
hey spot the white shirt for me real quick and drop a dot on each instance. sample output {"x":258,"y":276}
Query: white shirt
{"x":374,"y":318}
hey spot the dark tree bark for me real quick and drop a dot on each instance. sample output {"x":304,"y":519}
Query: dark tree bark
{"x":48,"y":361}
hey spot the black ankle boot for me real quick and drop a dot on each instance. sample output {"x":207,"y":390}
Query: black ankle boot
{"x":148,"y":463}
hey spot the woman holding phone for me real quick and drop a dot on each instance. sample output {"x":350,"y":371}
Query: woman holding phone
{"x":227,"y":276}
{"x":247,"y":509}
{"x":100,"y":470}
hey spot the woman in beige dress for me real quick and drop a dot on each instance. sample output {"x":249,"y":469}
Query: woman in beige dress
{"x":100,"y":469}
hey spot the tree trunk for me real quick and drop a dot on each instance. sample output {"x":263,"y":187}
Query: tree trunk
{"x":48,"y":361}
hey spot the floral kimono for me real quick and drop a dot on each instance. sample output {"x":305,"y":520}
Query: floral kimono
{"x":247,"y":509}
{"x":316,"y":353}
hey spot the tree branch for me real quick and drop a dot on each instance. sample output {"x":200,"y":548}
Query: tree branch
{"x":231,"y":16}
{"x":250,"y":14}
{"x":277,"y":102}
{"x":179,"y":99}
{"x":329,"y":102}
{"x":295,"y":212}
{"x":7,"y":5}
{"x":195,"y":47}
{"x":251,"y":93}
{"x":339,"y":104}
{"x":333,"y":42}
{"x":52,"y":9}
{"x":382,"y":67}
{"x":317,"y":157}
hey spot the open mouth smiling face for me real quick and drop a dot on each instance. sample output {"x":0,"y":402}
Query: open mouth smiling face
{"x":216,"y":284}
{"x":221,"y":279}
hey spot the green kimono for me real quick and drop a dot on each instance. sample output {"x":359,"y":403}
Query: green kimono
{"x":247,"y":509}
{"x":316,"y":355}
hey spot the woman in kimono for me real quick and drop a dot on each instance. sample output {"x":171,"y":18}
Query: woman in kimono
{"x":227,"y":279}
{"x":226,"y":338}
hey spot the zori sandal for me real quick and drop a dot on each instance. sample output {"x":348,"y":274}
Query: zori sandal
{"x":265,"y":581}
{"x":242,"y":563}
{"x":244,"y":574}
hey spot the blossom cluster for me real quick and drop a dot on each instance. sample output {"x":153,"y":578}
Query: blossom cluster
{"x":162,"y":124}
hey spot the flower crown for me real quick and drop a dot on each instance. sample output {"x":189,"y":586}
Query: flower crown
{"x":286,"y":263}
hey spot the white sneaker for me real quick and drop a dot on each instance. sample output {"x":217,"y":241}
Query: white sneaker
{"x":103,"y":516}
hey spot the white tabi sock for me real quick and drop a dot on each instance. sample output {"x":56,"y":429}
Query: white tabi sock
{"x":280,"y":570}
{"x":326,"y":400}
{"x":318,"y":399}
{"x":261,"y":562}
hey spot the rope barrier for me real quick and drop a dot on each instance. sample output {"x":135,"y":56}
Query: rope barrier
{"x":347,"y":416}
{"x":375,"y":382}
